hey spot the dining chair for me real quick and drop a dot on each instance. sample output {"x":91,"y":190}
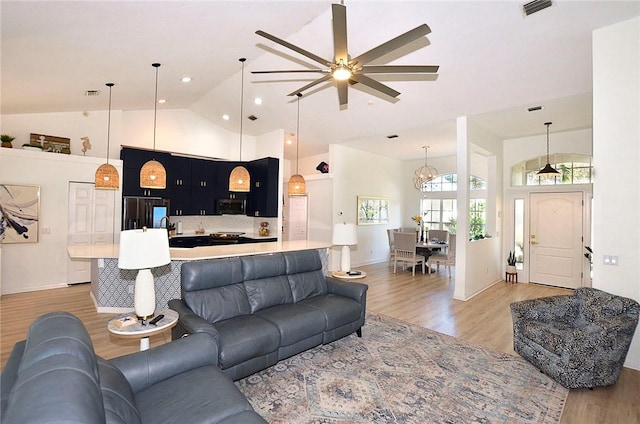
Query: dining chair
{"x":447,"y":258}
{"x":440,"y":235}
{"x":405,"y":252}
{"x":390,"y":232}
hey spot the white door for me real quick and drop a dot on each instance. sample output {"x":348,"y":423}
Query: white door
{"x":556,"y":239}
{"x":297,"y":218}
{"x":91,"y":215}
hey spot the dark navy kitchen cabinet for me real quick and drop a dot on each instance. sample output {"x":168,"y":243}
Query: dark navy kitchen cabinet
{"x":133,"y":159}
{"x":263,"y":198}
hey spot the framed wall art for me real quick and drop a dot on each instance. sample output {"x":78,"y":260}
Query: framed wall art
{"x":373,"y":210}
{"x":19,"y":213}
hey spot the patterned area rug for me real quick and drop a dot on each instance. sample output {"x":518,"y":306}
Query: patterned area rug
{"x":401,"y":373}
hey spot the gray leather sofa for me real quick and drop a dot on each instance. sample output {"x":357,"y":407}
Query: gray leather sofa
{"x":265,"y":308}
{"x":55,"y":377}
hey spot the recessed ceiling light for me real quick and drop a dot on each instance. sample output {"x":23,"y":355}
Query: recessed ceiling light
{"x":162,"y":101}
{"x":289,"y":141}
{"x":257,"y":101}
{"x":185,"y":79}
{"x":225,"y":117}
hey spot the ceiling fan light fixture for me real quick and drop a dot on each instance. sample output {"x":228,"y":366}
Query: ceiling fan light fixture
{"x":107,"y":176}
{"x":342,"y":72}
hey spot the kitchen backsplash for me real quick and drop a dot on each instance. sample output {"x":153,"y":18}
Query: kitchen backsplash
{"x":215,"y":224}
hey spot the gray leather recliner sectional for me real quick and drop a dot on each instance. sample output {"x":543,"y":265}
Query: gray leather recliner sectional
{"x":265,"y":308}
{"x":55,"y":377}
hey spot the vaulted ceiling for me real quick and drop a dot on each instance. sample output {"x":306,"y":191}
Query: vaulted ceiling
{"x":495,"y":62}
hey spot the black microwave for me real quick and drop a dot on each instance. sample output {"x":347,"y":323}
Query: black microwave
{"x":230,"y":207}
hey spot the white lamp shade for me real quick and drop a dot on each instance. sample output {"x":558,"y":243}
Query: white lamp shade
{"x":345,"y":235}
{"x":143,"y":249}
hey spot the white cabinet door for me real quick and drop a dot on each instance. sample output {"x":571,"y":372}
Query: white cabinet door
{"x":297,"y":218}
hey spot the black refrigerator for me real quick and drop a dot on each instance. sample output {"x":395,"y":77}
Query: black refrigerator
{"x":138,"y":212}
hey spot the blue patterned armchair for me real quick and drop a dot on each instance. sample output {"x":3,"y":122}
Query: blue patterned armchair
{"x":579,"y":340}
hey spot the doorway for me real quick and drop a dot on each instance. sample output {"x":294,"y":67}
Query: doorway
{"x":556,"y":239}
{"x":91,"y":215}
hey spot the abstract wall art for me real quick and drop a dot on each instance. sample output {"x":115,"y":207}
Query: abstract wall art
{"x":19,"y":213}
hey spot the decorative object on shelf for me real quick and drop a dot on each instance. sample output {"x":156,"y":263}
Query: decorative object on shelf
{"x":6,"y":140}
{"x":50,"y":143}
{"x":142,"y":250}
{"x":419,"y":228}
{"x":345,"y":235}
{"x":511,"y":263}
{"x":86,"y":144}
{"x":264,"y":229}
{"x":425,"y":173}
{"x":373,"y":210}
{"x":239,"y":179}
{"x":107,"y":176}
{"x":323,"y":167}
{"x":152,"y":174}
{"x":548,"y":169}
{"x":297,"y":185}
{"x":19,"y":213}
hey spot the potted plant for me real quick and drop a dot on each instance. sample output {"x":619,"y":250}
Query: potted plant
{"x":511,"y":262}
{"x":6,"y":140}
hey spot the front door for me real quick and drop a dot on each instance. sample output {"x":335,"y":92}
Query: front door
{"x":556,"y":239}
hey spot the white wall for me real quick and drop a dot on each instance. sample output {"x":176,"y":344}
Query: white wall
{"x":43,"y":265}
{"x":616,"y":148}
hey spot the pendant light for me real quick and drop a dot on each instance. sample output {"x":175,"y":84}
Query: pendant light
{"x":239,"y":179}
{"x":548,"y":169}
{"x":425,"y":173}
{"x":152,"y":173}
{"x":107,"y":175}
{"x":297,"y":185}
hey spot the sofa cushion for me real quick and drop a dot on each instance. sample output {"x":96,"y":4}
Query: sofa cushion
{"x":295,"y":321}
{"x":182,"y":395}
{"x":265,"y":281}
{"x":245,"y":337}
{"x":118,"y":399}
{"x":337,"y":310}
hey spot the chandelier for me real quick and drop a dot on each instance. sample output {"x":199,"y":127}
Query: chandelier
{"x":425,"y":173}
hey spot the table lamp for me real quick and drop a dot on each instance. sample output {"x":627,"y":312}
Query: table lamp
{"x":345,"y":235}
{"x":142,"y":250}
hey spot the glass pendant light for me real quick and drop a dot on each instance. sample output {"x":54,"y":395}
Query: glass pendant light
{"x":239,"y":179}
{"x":425,"y":173}
{"x":297,"y":184}
{"x":107,"y":176}
{"x":548,"y":169}
{"x":152,"y":173}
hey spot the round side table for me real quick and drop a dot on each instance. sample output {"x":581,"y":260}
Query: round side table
{"x":143,"y":332}
{"x":345,"y":276}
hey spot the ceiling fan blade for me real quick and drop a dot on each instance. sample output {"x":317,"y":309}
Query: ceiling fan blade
{"x":393,"y":44}
{"x":399,"y":69}
{"x":292,"y":70}
{"x":343,"y":94}
{"x":340,"y":33}
{"x":294,"y":48}
{"x":370,"y":82}
{"x":311,"y":84}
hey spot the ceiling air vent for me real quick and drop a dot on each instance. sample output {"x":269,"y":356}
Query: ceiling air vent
{"x":92,"y":93}
{"x":535,"y":6}
{"x":252,"y":117}
{"x":392,"y":136}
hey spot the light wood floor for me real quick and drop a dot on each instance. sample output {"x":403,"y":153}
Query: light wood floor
{"x":424,"y":300}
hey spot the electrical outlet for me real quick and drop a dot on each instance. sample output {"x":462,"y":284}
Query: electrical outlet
{"x":130,"y":288}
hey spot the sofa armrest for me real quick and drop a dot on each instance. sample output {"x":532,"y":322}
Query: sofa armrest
{"x":10,"y":375}
{"x":352,"y":290}
{"x":546,"y":309}
{"x":146,"y":368}
{"x":191,"y":322}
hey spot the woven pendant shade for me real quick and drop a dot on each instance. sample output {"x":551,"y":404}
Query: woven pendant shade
{"x":239,"y":179}
{"x":107,"y":177}
{"x":297,"y":185}
{"x":153,"y":175}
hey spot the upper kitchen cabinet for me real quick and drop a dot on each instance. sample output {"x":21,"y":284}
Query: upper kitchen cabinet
{"x":263,"y":198}
{"x":180,"y":187}
{"x":223,"y":170}
{"x":203,"y":186}
{"x":133,"y":160}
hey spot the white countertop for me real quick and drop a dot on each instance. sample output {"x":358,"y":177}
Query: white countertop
{"x":202,"y":252}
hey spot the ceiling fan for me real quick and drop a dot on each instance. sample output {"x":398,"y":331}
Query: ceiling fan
{"x":345,"y":70}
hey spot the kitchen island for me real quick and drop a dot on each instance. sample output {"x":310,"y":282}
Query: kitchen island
{"x":112,"y":288}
